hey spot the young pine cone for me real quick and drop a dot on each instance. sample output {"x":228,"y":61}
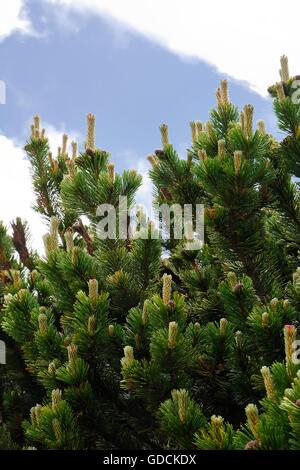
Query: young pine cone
{"x":252,"y":445}
{"x":238,"y":288}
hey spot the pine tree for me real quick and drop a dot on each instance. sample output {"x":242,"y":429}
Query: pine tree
{"x":65,"y":313}
{"x":252,"y":239}
{"x":111,"y":346}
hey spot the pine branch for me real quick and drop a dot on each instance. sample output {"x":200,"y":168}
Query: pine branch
{"x":19,"y":241}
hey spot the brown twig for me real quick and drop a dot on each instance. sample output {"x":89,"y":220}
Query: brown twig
{"x":79,"y":228}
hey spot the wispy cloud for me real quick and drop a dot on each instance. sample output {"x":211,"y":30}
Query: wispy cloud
{"x":54,"y":136}
{"x":14,"y":18}
{"x":16,"y":192}
{"x":241,"y":40}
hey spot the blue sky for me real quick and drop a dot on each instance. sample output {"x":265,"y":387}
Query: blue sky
{"x":63,"y":62}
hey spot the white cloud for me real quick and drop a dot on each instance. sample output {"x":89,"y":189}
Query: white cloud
{"x":16,"y":191}
{"x":243,"y":40}
{"x":54,"y":136}
{"x":13,"y":18}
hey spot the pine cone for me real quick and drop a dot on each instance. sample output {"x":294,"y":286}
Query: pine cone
{"x":90,"y":152}
{"x":285,"y":141}
{"x":238,"y":288}
{"x":252,"y":445}
{"x":171,"y":305}
{"x":272,"y":91}
{"x":298,"y":402}
{"x":159,"y":152}
{"x":166,"y":193}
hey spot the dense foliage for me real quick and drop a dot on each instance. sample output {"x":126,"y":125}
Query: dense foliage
{"x":111,"y":345}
